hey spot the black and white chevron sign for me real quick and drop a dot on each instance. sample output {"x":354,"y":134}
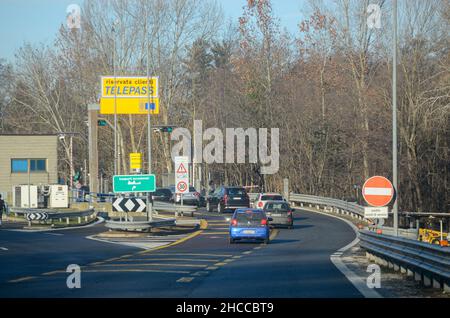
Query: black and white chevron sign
{"x":129,"y":205}
{"x":37,"y":216}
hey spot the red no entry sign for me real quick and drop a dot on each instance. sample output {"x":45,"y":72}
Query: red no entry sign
{"x":378,"y":191}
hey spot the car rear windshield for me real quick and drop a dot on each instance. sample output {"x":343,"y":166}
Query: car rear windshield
{"x":272,"y":206}
{"x":236,"y":191}
{"x":192,"y":189}
{"x":271,"y":197}
{"x":251,"y":217}
{"x":163,"y":192}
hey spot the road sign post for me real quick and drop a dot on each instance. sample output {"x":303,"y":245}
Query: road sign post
{"x":181,"y":176}
{"x":377,"y":191}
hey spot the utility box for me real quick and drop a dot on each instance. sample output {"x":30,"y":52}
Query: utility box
{"x":59,"y":196}
{"x":24,"y":198}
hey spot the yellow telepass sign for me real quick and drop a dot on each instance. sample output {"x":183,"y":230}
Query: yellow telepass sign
{"x":129,"y":95}
{"x":135,"y":160}
{"x":129,"y":87}
{"x":138,"y":106}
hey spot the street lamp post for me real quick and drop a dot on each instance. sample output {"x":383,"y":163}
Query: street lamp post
{"x":394,"y":118}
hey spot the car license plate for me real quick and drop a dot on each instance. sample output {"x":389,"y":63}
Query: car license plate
{"x":249,"y":232}
{"x":237,"y":198}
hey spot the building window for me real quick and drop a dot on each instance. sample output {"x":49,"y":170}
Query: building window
{"x":37,"y":165}
{"x":19,"y":165}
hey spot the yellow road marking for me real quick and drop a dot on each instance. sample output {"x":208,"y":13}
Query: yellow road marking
{"x":52,"y":273}
{"x":185,"y":279}
{"x":96,"y":263}
{"x":220,"y":264}
{"x":203,"y":224}
{"x":173,"y":243}
{"x":22,"y":279}
{"x":201,"y":273}
{"x":273,"y":234}
{"x":214,"y":233}
{"x":157,"y":264}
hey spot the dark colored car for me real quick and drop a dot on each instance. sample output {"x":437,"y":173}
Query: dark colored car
{"x":227,"y":198}
{"x":162,"y":195}
{"x":189,"y":198}
{"x":280,"y":212}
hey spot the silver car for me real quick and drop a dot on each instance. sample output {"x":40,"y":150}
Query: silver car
{"x":280,"y":212}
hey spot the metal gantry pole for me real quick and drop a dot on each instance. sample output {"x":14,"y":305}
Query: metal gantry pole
{"x":394,"y":118}
{"x":149,"y":130}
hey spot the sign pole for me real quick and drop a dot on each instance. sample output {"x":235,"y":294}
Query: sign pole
{"x":149,"y":131}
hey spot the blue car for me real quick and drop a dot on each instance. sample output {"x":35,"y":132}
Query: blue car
{"x":249,"y":224}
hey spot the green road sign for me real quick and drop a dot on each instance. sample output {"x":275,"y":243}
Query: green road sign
{"x":134,"y":183}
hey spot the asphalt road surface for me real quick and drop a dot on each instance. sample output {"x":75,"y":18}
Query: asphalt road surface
{"x":296,"y":263}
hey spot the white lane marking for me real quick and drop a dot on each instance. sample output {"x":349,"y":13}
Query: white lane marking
{"x":56,"y":234}
{"x":377,"y":191}
{"x":3,"y":248}
{"x":357,"y":281}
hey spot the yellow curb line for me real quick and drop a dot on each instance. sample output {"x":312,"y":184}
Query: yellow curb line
{"x":22,"y":279}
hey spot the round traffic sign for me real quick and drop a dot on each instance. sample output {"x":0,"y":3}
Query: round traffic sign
{"x":378,"y":191}
{"x":182,"y":186}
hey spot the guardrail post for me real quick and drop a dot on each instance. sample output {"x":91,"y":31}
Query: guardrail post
{"x":436,"y":283}
{"x":417,"y":276}
{"x":446,"y":287}
{"x":402,"y":269}
{"x":426,"y":280}
{"x":396,"y":267}
{"x":409,"y":273}
{"x":85,"y":218}
{"x":67,"y":221}
{"x":79,"y":220}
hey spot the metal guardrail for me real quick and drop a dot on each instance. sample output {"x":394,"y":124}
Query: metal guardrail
{"x":139,"y":225}
{"x":52,"y":214}
{"x":350,"y":207}
{"x":431,"y":262}
{"x":169,"y":207}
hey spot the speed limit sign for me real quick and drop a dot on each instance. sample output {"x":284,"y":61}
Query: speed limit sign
{"x":181,"y":175}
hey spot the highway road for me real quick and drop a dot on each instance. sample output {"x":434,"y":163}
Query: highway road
{"x":295,"y":264}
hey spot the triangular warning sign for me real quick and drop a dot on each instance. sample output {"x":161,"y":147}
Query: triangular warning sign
{"x":181,"y":169}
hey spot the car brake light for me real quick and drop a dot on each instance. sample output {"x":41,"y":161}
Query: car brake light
{"x":225,"y":198}
{"x":260,"y":204}
{"x":264,"y":222}
{"x":234,"y":222}
{"x":197,"y":194}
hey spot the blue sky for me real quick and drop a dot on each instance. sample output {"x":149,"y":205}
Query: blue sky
{"x":36,"y":21}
